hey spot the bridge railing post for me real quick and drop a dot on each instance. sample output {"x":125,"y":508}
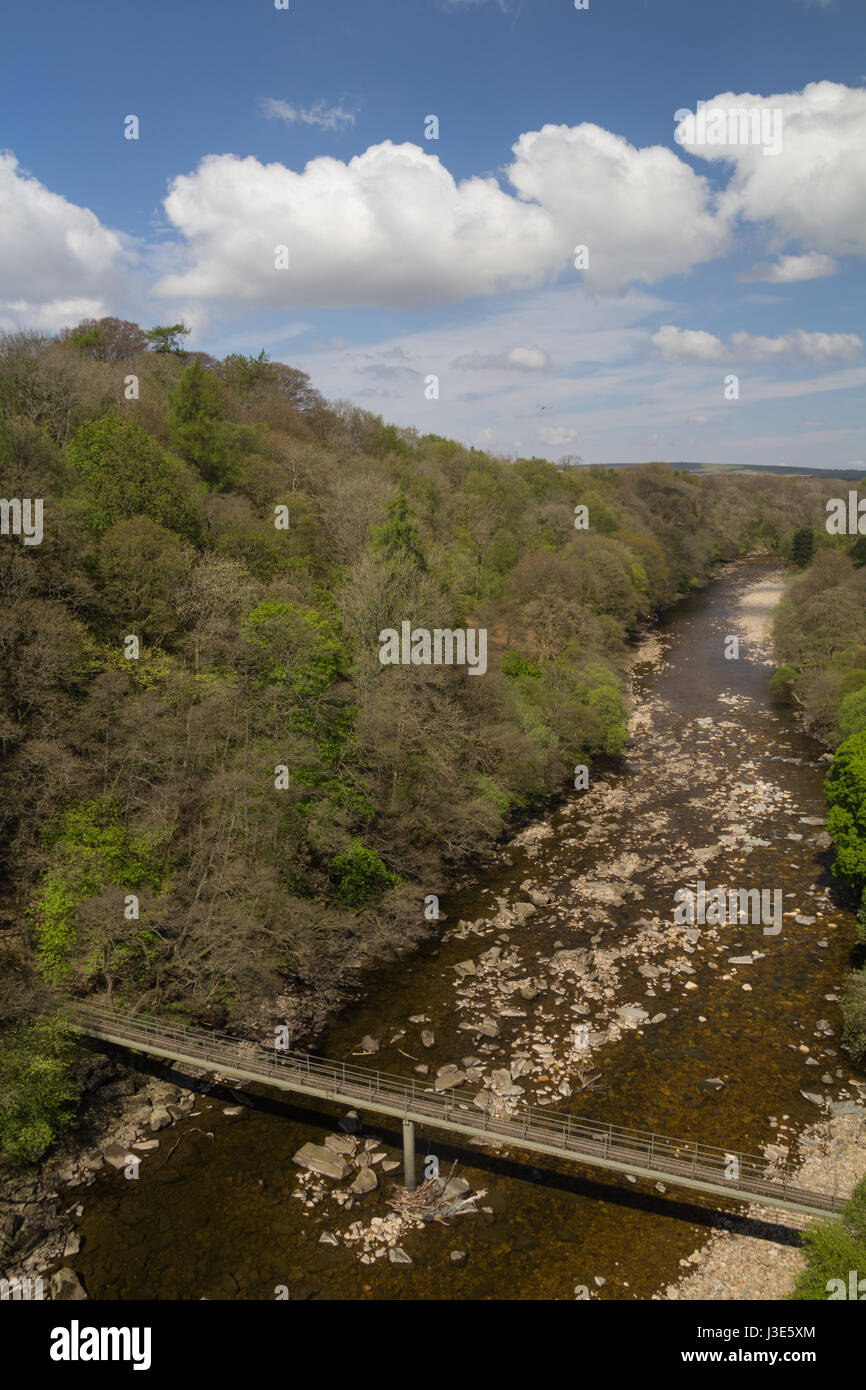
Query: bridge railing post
{"x":216,"y":1048}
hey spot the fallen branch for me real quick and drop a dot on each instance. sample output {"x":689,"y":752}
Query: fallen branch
{"x":589,"y":1081}
{"x":428,"y":1201}
{"x":208,"y":1134}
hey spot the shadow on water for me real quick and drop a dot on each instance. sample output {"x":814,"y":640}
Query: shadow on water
{"x":324,"y":1117}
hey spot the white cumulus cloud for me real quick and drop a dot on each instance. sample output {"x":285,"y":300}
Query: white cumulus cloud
{"x":643,"y":214}
{"x":57,"y":261}
{"x":688,"y":344}
{"x":392,"y":227}
{"x":678,"y":344}
{"x":813,"y":190}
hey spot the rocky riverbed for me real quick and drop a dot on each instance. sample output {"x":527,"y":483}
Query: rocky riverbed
{"x":559,"y":978}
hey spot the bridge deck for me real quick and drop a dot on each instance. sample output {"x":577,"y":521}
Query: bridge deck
{"x":680,"y":1161}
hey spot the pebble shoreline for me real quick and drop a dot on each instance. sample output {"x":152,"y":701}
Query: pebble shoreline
{"x":733,"y":1265}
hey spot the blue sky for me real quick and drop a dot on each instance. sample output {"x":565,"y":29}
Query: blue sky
{"x":453,"y":257}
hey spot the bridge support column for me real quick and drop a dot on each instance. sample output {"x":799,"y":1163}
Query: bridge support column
{"x":409,"y":1155}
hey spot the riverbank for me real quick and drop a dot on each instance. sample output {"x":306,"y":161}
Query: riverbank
{"x":121,"y":1112}
{"x":734,"y":1265}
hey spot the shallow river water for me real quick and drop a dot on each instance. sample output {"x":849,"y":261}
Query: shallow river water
{"x":717,"y":785}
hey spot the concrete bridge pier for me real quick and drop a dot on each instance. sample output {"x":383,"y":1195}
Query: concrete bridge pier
{"x":409,"y":1155}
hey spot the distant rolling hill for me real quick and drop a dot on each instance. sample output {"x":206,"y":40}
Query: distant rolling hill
{"x":852,"y":474}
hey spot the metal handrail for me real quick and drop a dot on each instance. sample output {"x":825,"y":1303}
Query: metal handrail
{"x":655,"y":1152}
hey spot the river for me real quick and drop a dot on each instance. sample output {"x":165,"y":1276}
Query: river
{"x":717,"y":785}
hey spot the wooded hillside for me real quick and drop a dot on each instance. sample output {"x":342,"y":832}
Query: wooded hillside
{"x":256,"y":539}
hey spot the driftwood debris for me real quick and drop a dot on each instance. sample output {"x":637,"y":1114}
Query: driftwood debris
{"x":589,"y":1080}
{"x":428,"y":1201}
{"x":208,"y":1134}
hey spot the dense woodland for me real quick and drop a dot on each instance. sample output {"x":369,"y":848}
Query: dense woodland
{"x":155,"y":778}
{"x":820,"y":639}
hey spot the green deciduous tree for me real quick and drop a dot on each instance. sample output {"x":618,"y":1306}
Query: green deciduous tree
{"x":782,"y":683}
{"x":143,"y":566}
{"x":852,"y":713}
{"x":90,"y":849}
{"x":361,"y":876}
{"x":122,"y":472}
{"x":36,"y":1088}
{"x":854,"y":1005}
{"x":832,"y":1250}
{"x":846,"y":793}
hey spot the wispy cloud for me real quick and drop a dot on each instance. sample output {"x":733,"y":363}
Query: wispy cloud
{"x":319,"y":114}
{"x":467,"y":4}
{"x":519,"y":358}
